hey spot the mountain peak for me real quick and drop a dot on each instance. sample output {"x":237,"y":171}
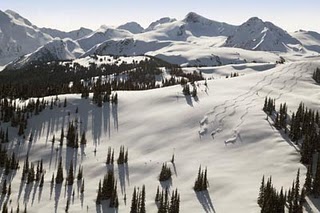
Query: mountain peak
{"x":194,"y":17}
{"x":255,"y":20}
{"x":255,"y":34}
{"x":132,"y":27}
{"x":17,"y":16}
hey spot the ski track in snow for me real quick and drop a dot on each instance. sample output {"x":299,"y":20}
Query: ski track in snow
{"x":248,"y":101}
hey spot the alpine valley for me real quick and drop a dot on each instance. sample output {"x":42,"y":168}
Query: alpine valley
{"x":190,"y":115}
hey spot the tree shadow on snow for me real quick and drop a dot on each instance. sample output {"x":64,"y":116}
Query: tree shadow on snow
{"x":166,"y":184}
{"x":189,"y":100}
{"x":205,"y":200}
{"x":27,"y":192}
{"x":57,"y":196}
{"x":175,"y":169}
{"x":115,"y":116}
{"x":106,"y":119}
{"x":126,"y":168}
{"x":96,"y":124}
{"x":122,"y":178}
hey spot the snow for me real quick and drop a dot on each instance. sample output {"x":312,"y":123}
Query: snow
{"x":155,"y":124}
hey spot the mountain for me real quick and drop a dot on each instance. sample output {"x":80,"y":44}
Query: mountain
{"x":75,"y":34}
{"x":132,"y":27}
{"x":103,"y":34}
{"x":56,"y":50}
{"x":201,"y":26}
{"x":256,"y":34}
{"x":18,"y":36}
{"x":193,"y":25}
{"x":309,"y":39}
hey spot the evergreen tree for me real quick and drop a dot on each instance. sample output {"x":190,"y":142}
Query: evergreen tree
{"x":41,"y":181}
{"x":143,"y":200}
{"x":59,"y":177}
{"x":165,"y":173}
{"x":308,"y":181}
{"x":4,"y":187}
{"x":134,"y":205}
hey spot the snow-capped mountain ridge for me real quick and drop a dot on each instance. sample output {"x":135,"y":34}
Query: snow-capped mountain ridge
{"x":103,"y":34}
{"x":165,"y":34}
{"x":56,"y":50}
{"x":256,"y":34}
{"x":18,"y":37}
{"x":74,"y":34}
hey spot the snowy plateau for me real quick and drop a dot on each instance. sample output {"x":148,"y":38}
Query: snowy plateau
{"x":222,"y":128}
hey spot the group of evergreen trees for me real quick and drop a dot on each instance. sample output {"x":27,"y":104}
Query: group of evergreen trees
{"x":165,"y":173}
{"x":304,"y":132}
{"x":186,"y":89}
{"x":17,"y":115}
{"x":201,"y":183}
{"x":270,"y":200}
{"x":108,"y":190}
{"x":166,"y":204}
{"x":39,"y":80}
{"x":138,"y":202}
{"x":281,"y":118}
{"x":123,"y":156}
{"x":312,"y":184}
{"x":316,"y":75}
{"x":232,"y":75}
{"x":269,"y":105}
{"x":7,"y":161}
{"x":30,"y":174}
{"x":122,"y":159}
{"x":73,"y":136}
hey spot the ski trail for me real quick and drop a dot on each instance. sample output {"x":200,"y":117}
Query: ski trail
{"x":245,"y":95}
{"x":249,"y":94}
{"x":295,"y":77}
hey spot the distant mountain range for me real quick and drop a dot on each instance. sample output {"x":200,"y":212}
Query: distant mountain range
{"x":195,"y":40}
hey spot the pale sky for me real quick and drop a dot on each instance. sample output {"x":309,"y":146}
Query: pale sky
{"x":291,"y":15}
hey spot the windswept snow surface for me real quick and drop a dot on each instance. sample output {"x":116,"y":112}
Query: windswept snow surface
{"x":155,"y":124}
{"x":309,"y":39}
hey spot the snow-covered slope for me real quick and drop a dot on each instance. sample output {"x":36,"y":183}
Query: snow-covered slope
{"x":75,"y":34}
{"x":256,"y":34}
{"x":156,"y":23}
{"x":309,"y":39}
{"x":103,"y":34}
{"x":56,"y":50}
{"x":18,"y":36}
{"x":189,"y":54}
{"x":132,"y":27}
{"x":127,"y":46}
{"x":155,"y":124}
